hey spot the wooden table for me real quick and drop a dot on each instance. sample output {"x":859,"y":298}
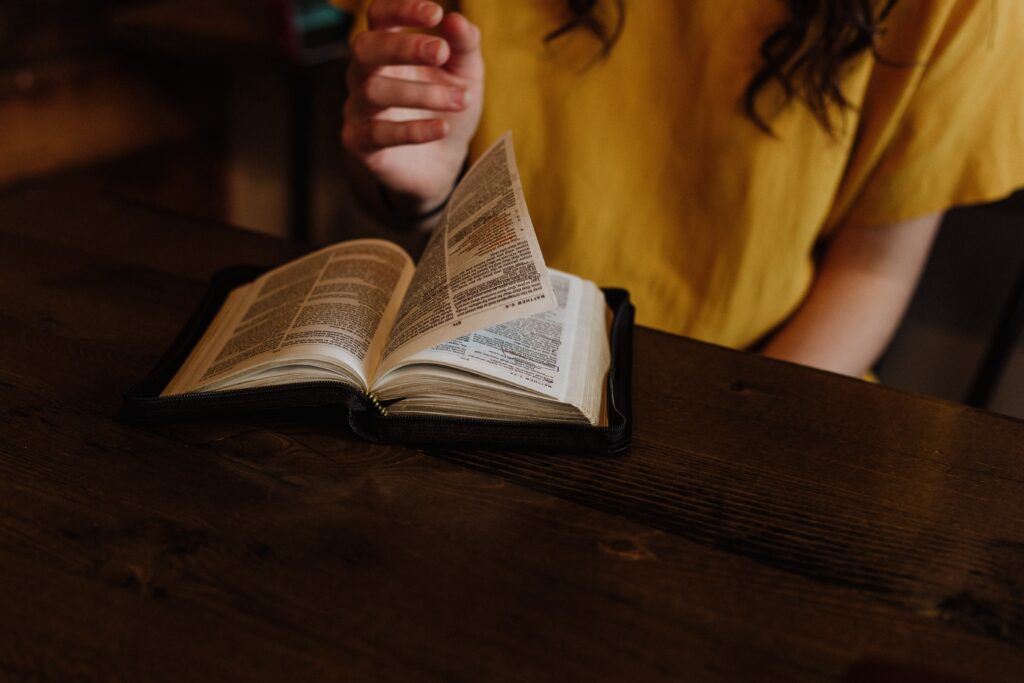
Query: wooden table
{"x":770,"y":523}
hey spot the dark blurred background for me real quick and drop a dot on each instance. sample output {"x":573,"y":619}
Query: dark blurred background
{"x":224,"y":109}
{"x":229,"y":110}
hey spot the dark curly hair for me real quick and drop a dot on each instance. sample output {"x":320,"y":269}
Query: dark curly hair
{"x":807,"y":69}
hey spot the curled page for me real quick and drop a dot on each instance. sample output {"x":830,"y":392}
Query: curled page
{"x":534,"y":352}
{"x":482,"y":267}
{"x":527,"y":368}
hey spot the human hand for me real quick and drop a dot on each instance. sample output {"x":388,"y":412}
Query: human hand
{"x":414,"y":99}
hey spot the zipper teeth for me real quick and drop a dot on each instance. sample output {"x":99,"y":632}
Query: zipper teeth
{"x":381,"y":409}
{"x":377,"y":404}
{"x":211,"y":395}
{"x":447,"y":419}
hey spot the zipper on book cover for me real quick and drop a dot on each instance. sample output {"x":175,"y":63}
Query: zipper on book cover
{"x":448,"y":419}
{"x":380,"y":408}
{"x":252,"y":391}
{"x":372,"y":398}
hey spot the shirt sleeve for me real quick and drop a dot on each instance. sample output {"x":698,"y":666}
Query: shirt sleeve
{"x":942,"y":119}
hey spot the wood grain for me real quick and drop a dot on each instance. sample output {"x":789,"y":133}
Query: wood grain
{"x":770,"y":523}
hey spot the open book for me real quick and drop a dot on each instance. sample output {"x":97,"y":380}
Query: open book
{"x":480,"y":328}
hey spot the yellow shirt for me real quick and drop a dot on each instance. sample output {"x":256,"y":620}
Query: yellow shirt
{"x":641,"y":170}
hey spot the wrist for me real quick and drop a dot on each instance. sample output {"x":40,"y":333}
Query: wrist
{"x":414,"y":210}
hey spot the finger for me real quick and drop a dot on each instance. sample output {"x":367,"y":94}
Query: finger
{"x":463,"y":38}
{"x":372,"y":49}
{"x":372,"y":135}
{"x":380,"y":92}
{"x":396,"y":13}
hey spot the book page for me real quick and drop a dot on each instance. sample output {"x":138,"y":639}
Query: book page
{"x":561,"y":355}
{"x":329,"y":311}
{"x":532,"y":352}
{"x":482,"y":266}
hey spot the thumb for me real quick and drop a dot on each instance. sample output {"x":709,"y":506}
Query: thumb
{"x":463,"y":38}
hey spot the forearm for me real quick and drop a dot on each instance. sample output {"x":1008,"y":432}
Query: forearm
{"x":858,"y":298}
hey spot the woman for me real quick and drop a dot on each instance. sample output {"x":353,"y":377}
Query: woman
{"x":757,"y":174}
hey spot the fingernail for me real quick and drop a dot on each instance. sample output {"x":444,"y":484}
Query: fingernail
{"x":427,"y":11}
{"x":458,"y":96}
{"x":432,"y":49}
